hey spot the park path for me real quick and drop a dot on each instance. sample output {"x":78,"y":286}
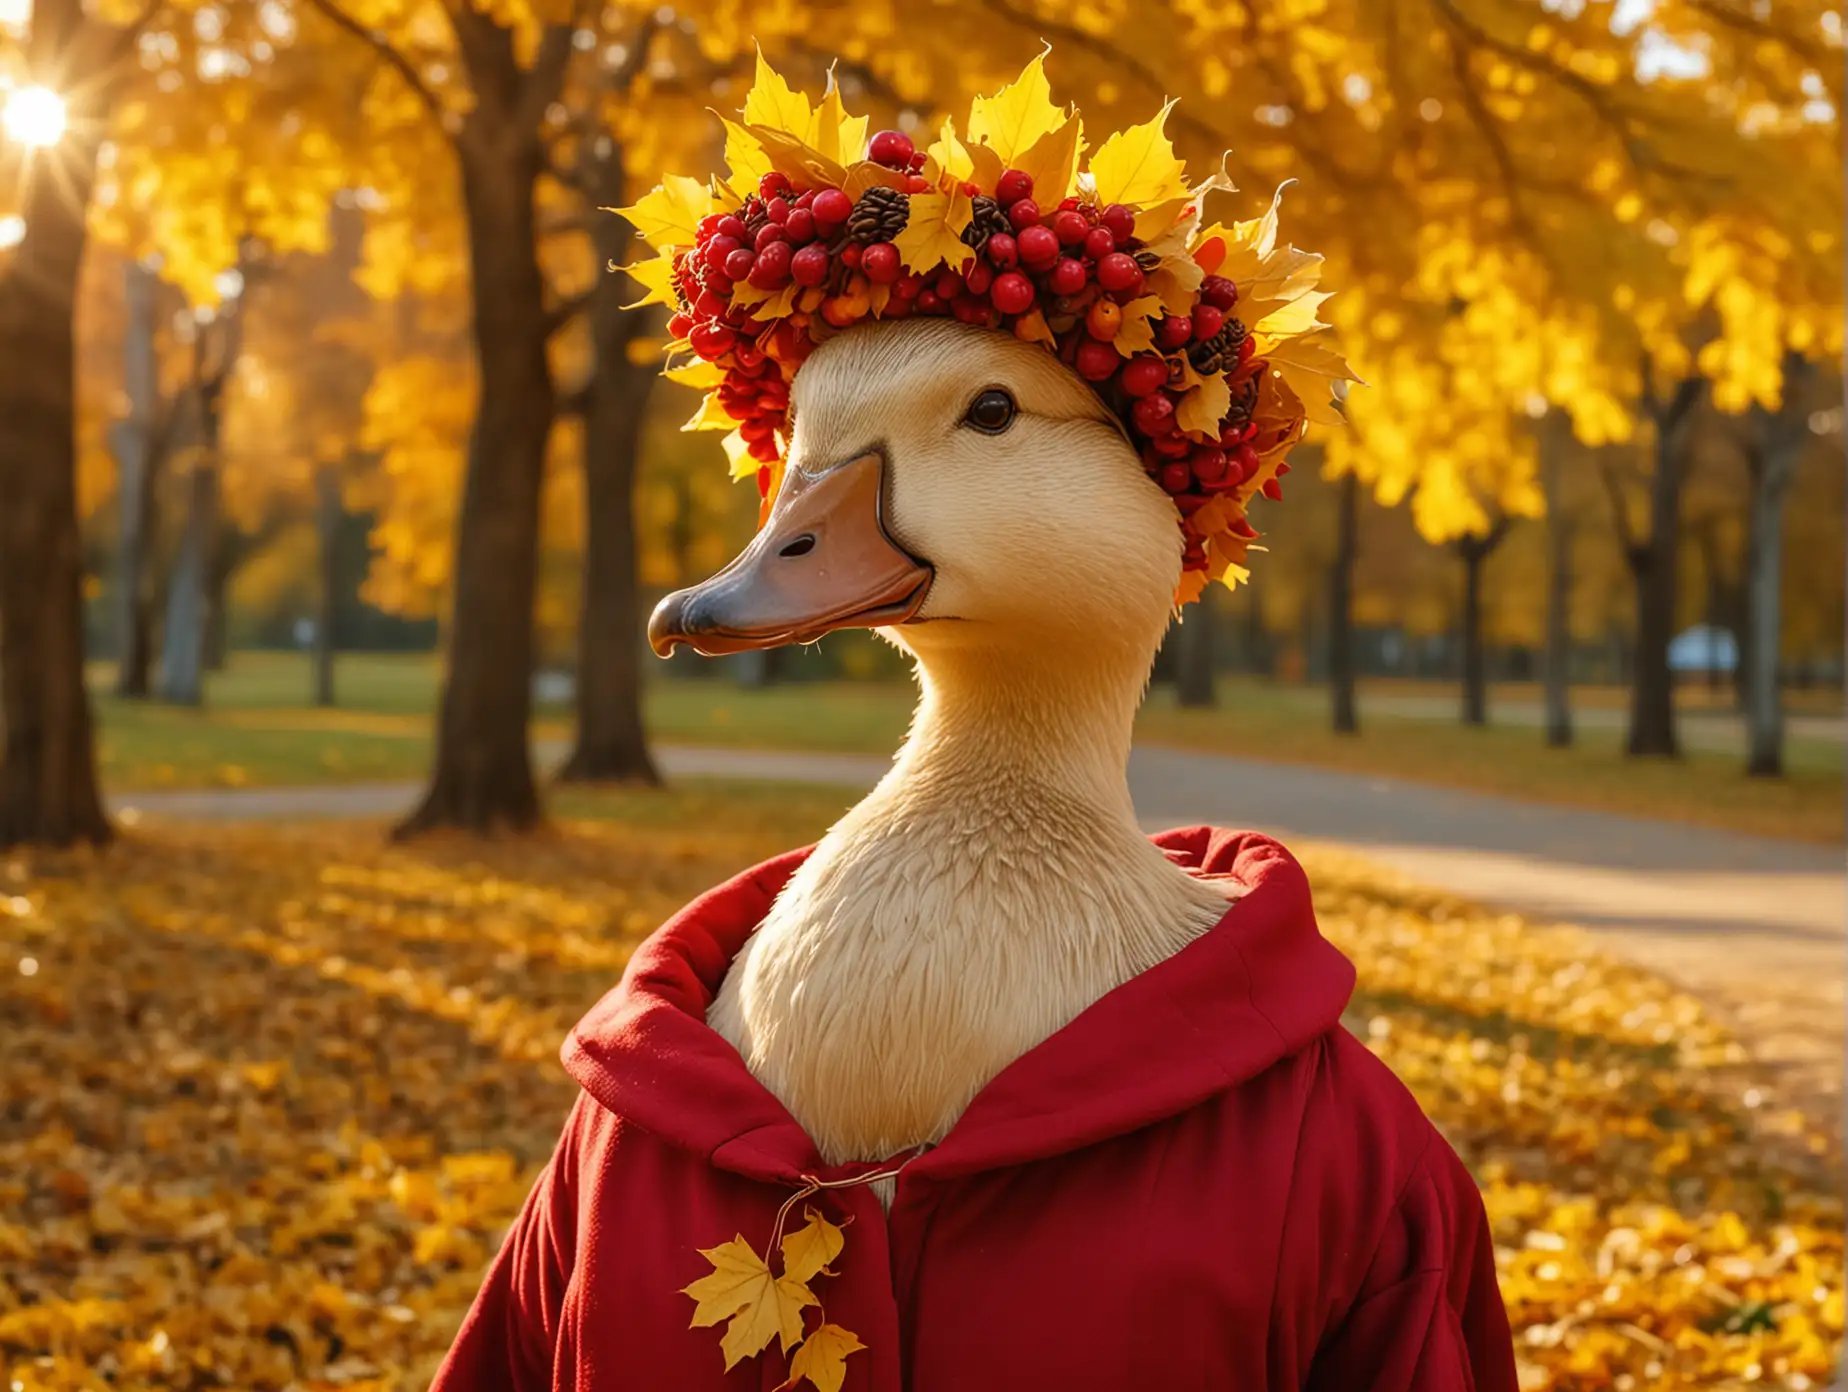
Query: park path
{"x":1753,"y":926}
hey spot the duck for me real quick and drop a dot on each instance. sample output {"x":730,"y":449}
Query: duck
{"x":976,"y":504}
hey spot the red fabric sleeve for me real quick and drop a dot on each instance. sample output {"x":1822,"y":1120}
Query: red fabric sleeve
{"x":1429,"y":1315}
{"x":507,"y":1341}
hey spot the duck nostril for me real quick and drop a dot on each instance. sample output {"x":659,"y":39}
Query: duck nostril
{"x":801,"y":546}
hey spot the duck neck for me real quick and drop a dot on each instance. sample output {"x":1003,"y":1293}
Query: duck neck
{"x":1027,"y":728}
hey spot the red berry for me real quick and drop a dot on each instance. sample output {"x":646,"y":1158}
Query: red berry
{"x":979,"y":277}
{"x":708,"y":226}
{"x":972,"y":190}
{"x":712,"y":341}
{"x":1172,"y":447}
{"x":1209,"y":465}
{"x":949,"y":285}
{"x":1207,"y":321}
{"x":1175,"y":477}
{"x":1003,"y":250}
{"x":891,"y":148}
{"x":678,"y":324}
{"x":850,"y":258}
{"x":1070,"y":227}
{"x":1038,"y":246}
{"x":1152,"y":412}
{"x":800,"y":228}
{"x":1023,"y":213}
{"x":777,"y":210}
{"x":1069,"y":204}
{"x":768,"y":233}
{"x":806,"y":197}
{"x":831,"y":208}
{"x":1012,"y":186}
{"x":1117,"y":271}
{"x":1245,"y":349}
{"x":738,"y":264}
{"x":772,"y":269}
{"x":810,"y":265}
{"x":1143,"y":374}
{"x":1012,"y":293}
{"x":1097,"y":361}
{"x":732,"y":226}
{"x":970,"y":310}
{"x":715,"y":251}
{"x":773,"y":184}
{"x":1246,"y":457}
{"x":929,"y":302}
{"x":907,"y":286}
{"x":1099,"y":242}
{"x":1219,"y":292}
{"x":1120,"y":221}
{"x":916,"y":183}
{"x":880,"y":260}
{"x":1174,"y":332}
{"x":1068,"y":277}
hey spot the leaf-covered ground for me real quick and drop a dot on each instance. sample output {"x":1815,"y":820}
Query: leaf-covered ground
{"x":268,"y":1097}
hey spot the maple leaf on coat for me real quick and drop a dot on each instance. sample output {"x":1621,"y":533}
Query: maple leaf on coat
{"x":760,"y":1305}
{"x":822,"y":1359}
{"x":808,"y":1250}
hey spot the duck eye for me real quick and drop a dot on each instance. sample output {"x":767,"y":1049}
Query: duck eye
{"x":992,"y":412}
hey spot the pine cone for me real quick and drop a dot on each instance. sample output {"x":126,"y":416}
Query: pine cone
{"x":989,"y":219}
{"x":1244,"y":402}
{"x":1219,"y":350}
{"x":879,"y":216}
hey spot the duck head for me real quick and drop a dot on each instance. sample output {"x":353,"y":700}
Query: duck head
{"x":958,"y":490}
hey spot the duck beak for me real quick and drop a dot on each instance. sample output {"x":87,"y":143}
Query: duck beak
{"x":823,"y":561}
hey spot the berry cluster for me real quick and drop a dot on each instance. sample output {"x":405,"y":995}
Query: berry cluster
{"x":1073,"y":276}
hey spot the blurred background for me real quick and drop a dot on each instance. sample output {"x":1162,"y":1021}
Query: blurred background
{"x":336,"y":483}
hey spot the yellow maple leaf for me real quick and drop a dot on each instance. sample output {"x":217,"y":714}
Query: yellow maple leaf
{"x":656,"y":276}
{"x":669,"y":213}
{"x":711,"y":415}
{"x":745,"y":158}
{"x":760,"y":1305}
{"x":1138,"y":332}
{"x":808,"y":1250}
{"x":1053,"y":162}
{"x":1205,"y":406}
{"x":1138,"y":166}
{"x":1293,"y":317}
{"x":1032,"y":327}
{"x":774,"y":104}
{"x":822,"y":1359}
{"x":738,"y":458}
{"x":700,"y":373}
{"x":1177,"y":281}
{"x":947,"y":156}
{"x":866,"y":174}
{"x":794,"y":156}
{"x":837,"y":135}
{"x":1277,"y":279}
{"x":1014,"y":119}
{"x":933,"y":233}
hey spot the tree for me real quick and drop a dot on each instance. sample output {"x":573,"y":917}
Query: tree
{"x":1344,"y":714}
{"x":1194,"y":671}
{"x":75,"y":65}
{"x":1654,"y":558}
{"x":1474,"y":549}
{"x":1561,"y":524}
{"x":1774,"y":445}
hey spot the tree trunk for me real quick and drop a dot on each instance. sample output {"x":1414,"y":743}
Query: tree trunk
{"x":227,"y":544}
{"x":1554,"y":441}
{"x":1343,"y":710}
{"x":135,"y":444}
{"x":189,"y":588}
{"x":483,"y":779}
{"x":1776,"y":448}
{"x":328,"y":515}
{"x":612,"y":745}
{"x":1194,"y":673}
{"x":1475,"y":551}
{"x":48,"y":790}
{"x":1655,"y":564}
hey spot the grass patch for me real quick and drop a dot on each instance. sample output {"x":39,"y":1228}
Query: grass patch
{"x":255,"y":730}
{"x":271,"y":1096}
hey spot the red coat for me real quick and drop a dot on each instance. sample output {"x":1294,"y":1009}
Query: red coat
{"x":1203,"y":1182}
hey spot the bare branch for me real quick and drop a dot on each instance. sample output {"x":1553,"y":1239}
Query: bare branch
{"x":392,"y":55}
{"x":546,"y":78}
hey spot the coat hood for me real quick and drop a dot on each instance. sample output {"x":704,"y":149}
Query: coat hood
{"x":1256,"y":988}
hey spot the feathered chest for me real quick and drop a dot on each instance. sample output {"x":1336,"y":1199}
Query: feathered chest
{"x":904,"y":966}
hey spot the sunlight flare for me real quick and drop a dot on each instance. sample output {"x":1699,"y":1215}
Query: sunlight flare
{"x":34,"y":116}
